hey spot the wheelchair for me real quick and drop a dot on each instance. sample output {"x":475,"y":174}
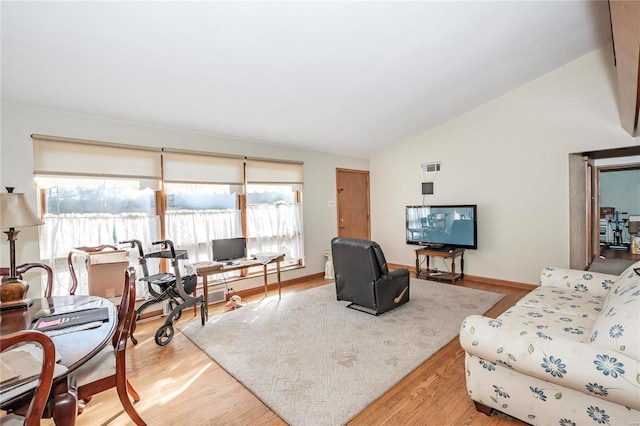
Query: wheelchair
{"x":176,"y":289}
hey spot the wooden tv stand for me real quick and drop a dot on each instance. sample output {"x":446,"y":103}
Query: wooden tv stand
{"x":435,"y":275}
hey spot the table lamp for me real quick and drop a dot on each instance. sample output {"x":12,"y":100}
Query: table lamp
{"x":15,"y":213}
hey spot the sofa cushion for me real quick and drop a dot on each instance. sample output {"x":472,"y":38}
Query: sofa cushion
{"x":547,"y":324}
{"x":569,"y":301}
{"x":617,"y":326}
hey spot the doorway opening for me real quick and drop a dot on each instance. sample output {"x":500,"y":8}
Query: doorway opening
{"x":614,"y":207}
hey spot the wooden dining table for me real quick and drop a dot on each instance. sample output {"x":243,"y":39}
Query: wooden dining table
{"x":74,"y":347}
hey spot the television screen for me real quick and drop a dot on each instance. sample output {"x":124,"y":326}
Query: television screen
{"x":229,"y":248}
{"x":442,"y":226}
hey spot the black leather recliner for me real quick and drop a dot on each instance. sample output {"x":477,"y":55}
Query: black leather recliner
{"x":363,"y":277}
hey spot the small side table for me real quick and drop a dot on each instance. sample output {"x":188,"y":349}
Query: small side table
{"x":431,"y":274}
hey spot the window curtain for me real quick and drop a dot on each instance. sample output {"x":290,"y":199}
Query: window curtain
{"x":275,"y":228}
{"x":62,"y":233}
{"x":193,"y":230}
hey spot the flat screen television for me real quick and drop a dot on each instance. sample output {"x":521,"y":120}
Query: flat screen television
{"x":229,"y":248}
{"x":448,"y":226}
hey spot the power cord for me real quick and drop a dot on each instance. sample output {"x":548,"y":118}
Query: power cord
{"x":230,"y":290}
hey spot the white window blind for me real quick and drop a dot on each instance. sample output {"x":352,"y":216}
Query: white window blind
{"x":183,"y":167}
{"x":55,"y":156}
{"x":274,"y":172}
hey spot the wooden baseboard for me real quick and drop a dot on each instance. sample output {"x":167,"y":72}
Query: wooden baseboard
{"x":503,"y":283}
{"x":475,"y":278}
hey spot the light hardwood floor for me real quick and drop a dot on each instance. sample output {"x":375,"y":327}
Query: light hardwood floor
{"x":180,"y":385}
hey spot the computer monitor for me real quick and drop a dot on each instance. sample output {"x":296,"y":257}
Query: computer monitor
{"x":229,"y":248}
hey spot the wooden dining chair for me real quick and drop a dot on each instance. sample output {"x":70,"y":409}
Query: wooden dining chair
{"x":108,"y":369}
{"x":41,"y":395}
{"x":5,"y":272}
{"x":83,"y":250}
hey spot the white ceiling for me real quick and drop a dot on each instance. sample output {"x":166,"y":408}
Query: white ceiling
{"x":341,"y":77}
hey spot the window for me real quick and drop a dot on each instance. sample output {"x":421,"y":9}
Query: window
{"x":93,"y":194}
{"x":274,"y":209}
{"x":97,"y":193}
{"x":274,"y":221}
{"x":202,"y":193}
{"x":199,"y":213}
{"x":92,"y":212}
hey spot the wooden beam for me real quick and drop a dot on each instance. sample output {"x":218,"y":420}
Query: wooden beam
{"x":625,"y":26}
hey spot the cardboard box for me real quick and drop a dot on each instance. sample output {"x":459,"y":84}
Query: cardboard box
{"x":634,"y":225}
{"x":106,"y":272}
{"x":607,"y":212}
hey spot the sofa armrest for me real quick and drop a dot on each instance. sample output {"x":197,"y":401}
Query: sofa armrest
{"x":593,"y":282}
{"x":584,"y":367}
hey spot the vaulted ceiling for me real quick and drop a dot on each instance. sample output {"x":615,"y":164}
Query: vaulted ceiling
{"x":342,"y":77}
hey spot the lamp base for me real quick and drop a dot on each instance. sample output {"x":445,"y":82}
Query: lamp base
{"x":12,"y":294}
{"x":21,"y":304}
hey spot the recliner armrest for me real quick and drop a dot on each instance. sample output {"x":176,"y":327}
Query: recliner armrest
{"x":398,"y":273}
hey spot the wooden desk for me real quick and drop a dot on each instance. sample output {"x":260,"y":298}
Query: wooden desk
{"x":74,"y":349}
{"x":219,"y":268}
{"x":431,"y":274}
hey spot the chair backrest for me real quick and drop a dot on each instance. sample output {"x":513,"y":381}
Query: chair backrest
{"x":5,"y":272}
{"x":126,"y":310}
{"x":41,"y":395}
{"x":358,"y":260}
{"x":83,"y":250}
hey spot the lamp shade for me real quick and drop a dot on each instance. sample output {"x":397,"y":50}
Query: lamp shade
{"x":15,"y":211}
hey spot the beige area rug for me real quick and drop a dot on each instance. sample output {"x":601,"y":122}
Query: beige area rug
{"x":315,"y":362}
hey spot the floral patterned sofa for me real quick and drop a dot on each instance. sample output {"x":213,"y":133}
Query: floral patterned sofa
{"x":568,"y":353}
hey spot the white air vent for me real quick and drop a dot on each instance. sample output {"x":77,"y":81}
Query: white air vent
{"x":430,"y":167}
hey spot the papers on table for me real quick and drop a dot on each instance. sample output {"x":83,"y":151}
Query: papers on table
{"x":56,"y":310}
{"x":70,"y":319}
{"x":73,"y":328}
{"x":20,"y":368}
{"x":192,"y":268}
{"x":265,"y":258}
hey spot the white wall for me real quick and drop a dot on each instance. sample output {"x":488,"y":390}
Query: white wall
{"x":509,"y":156}
{"x":16,"y":159}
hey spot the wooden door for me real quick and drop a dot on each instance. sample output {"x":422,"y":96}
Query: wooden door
{"x":352,"y":189}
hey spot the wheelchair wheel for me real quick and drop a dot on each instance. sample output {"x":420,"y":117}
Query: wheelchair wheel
{"x":172,"y":305}
{"x":164,"y":335}
{"x":204,"y":313}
